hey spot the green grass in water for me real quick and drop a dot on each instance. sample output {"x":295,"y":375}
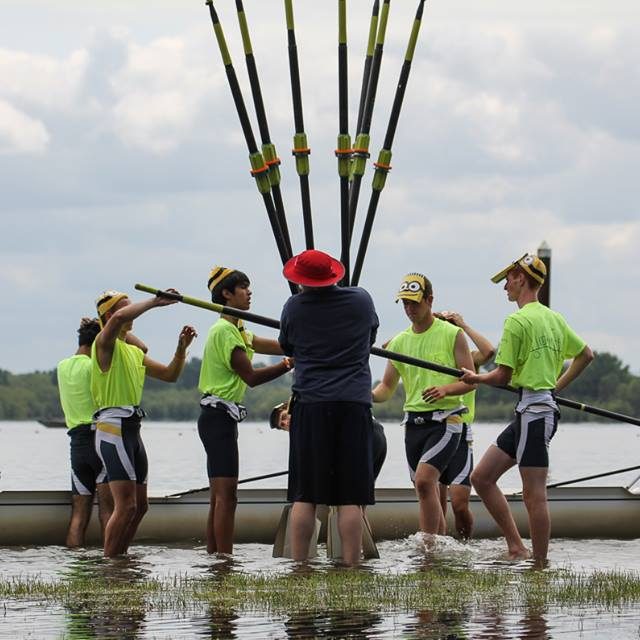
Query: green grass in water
{"x":441,"y":589}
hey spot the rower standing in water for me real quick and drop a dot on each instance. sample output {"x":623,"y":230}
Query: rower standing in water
{"x":88,"y":477}
{"x":434,"y":411}
{"x":117,"y":379}
{"x":534,"y":346}
{"x":456,"y":478}
{"x":224,"y":375}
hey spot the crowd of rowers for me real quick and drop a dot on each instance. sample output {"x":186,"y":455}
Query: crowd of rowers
{"x":336,"y":447}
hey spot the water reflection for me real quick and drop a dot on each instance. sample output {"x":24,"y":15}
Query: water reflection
{"x":332,"y":624}
{"x":93,"y":610}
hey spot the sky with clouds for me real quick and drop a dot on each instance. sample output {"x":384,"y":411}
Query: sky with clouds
{"x":122,"y":160}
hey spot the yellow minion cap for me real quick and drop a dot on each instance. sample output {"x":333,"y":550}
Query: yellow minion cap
{"x":106,"y":300}
{"x":529,"y":263}
{"x":216,"y":275}
{"x":413,"y":287}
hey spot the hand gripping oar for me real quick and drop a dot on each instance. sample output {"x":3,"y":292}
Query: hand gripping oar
{"x":268,"y":148}
{"x":361,"y":145}
{"x":301,"y":149}
{"x":383,"y":166}
{"x":343,"y":148}
{"x":377,"y":351}
{"x":259,"y":170}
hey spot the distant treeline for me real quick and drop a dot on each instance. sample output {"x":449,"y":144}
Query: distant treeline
{"x":607,"y":383}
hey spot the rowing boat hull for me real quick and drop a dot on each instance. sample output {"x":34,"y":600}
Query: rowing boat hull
{"x":41,"y":517}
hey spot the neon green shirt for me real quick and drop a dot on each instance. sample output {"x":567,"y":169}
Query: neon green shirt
{"x":535,"y":343}
{"x":436,"y":344}
{"x":74,"y":386}
{"x":216,"y":375}
{"x":469,"y":401}
{"x":121,"y":385}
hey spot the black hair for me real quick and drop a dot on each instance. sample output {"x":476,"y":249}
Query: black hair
{"x":87,"y":332}
{"x":230,"y":282}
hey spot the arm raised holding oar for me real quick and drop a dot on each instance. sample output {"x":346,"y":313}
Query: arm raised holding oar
{"x":117,"y":378}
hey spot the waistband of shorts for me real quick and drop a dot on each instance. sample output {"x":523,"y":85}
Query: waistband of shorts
{"x":81,"y":430}
{"x":443,"y":416}
{"x":536,"y":400}
{"x":119,"y":412}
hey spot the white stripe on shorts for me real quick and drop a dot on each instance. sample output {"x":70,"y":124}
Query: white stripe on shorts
{"x":103,"y":436}
{"x":466,"y":470}
{"x":525,"y":419}
{"x":441,"y":444}
{"x":80,"y":488}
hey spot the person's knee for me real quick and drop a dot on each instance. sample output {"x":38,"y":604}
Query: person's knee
{"x":480,"y":481}
{"x":142,"y":506}
{"x":425,"y":487}
{"x":460,"y":504}
{"x":534,"y":497}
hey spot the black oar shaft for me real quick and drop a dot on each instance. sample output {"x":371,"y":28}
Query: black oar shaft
{"x":376,"y":351}
{"x":597,"y":475}
{"x":243,"y":481}
{"x":301,"y":149}
{"x":457,"y":373}
{"x":259,"y":169}
{"x":366,"y":72}
{"x":361,"y":144}
{"x":383,"y":165}
{"x":268,"y":148}
{"x":343,"y":148}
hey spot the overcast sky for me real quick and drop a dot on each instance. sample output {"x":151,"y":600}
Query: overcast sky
{"x":122,"y":161}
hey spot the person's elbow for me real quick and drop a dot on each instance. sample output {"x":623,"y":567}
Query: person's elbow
{"x":587,"y":355}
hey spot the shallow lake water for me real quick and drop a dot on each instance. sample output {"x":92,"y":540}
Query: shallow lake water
{"x":33,"y":457}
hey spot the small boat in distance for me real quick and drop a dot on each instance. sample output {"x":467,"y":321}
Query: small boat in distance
{"x":42,"y":517}
{"x":53,"y":423}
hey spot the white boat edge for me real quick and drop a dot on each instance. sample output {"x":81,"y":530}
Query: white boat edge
{"x":30,"y":518}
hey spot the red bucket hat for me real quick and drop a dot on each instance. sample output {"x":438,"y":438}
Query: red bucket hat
{"x":313,"y":268}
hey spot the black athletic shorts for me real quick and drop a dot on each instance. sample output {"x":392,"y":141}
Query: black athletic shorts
{"x":219,"y":434}
{"x":459,"y":469}
{"x":526,"y":439}
{"x":87,"y":469}
{"x":331,"y":453}
{"x":433,"y":442}
{"x":121,"y":449}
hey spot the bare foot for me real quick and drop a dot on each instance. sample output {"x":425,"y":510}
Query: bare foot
{"x":518,"y":554}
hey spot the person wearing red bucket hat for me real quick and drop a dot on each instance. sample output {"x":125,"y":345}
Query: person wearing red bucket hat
{"x":313,"y":268}
{"x":329,"y":331}
{"x":534,"y":346}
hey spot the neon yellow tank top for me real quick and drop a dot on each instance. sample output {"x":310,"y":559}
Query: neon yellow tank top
{"x":121,"y":385}
{"x":436,"y":344}
{"x":74,"y":386}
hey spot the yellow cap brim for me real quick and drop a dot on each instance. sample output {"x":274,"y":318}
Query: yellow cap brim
{"x":410,"y":295}
{"x":502,"y":274}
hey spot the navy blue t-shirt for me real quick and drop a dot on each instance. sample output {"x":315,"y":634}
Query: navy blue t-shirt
{"x":329,"y":331}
